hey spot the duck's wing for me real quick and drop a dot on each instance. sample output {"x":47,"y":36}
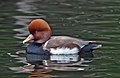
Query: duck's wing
{"x":64,"y":42}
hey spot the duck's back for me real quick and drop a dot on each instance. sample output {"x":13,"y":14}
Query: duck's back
{"x":64,"y":44}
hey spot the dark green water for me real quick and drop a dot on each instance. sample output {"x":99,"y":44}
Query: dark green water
{"x":97,"y":20}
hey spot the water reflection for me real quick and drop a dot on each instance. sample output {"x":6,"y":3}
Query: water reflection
{"x":51,"y":61}
{"x":38,"y":66}
{"x":26,"y":6}
{"x":95,"y":20}
{"x":40,"y":73}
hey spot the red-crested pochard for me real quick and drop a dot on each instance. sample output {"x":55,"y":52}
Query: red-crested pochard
{"x":40,"y":33}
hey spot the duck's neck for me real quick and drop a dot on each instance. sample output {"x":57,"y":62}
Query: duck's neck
{"x":44,"y":36}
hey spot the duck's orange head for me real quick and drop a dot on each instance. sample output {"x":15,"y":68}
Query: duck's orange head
{"x":39,"y":30}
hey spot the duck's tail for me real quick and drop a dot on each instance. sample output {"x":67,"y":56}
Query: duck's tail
{"x":90,"y":47}
{"x":86,"y":51}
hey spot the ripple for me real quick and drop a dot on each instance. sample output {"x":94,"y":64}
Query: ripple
{"x":96,"y":20}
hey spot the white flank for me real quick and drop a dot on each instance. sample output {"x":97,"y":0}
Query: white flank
{"x":64,"y":50}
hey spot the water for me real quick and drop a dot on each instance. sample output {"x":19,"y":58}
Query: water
{"x":90,"y":20}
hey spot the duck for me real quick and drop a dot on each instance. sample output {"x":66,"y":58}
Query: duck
{"x":42,"y":41}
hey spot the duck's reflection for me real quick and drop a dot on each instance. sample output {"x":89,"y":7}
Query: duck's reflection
{"x":41,"y":66}
{"x":56,"y":62}
{"x":64,"y":58}
{"x":36,"y":59}
{"x":44,"y":59}
{"x":44,"y":64}
{"x":41,"y":72}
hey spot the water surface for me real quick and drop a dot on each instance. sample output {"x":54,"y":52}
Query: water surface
{"x":97,"y":20}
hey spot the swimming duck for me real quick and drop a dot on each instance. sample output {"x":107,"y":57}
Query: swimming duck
{"x":44,"y":42}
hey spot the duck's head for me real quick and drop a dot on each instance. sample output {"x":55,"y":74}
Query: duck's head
{"x":39,"y":31}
